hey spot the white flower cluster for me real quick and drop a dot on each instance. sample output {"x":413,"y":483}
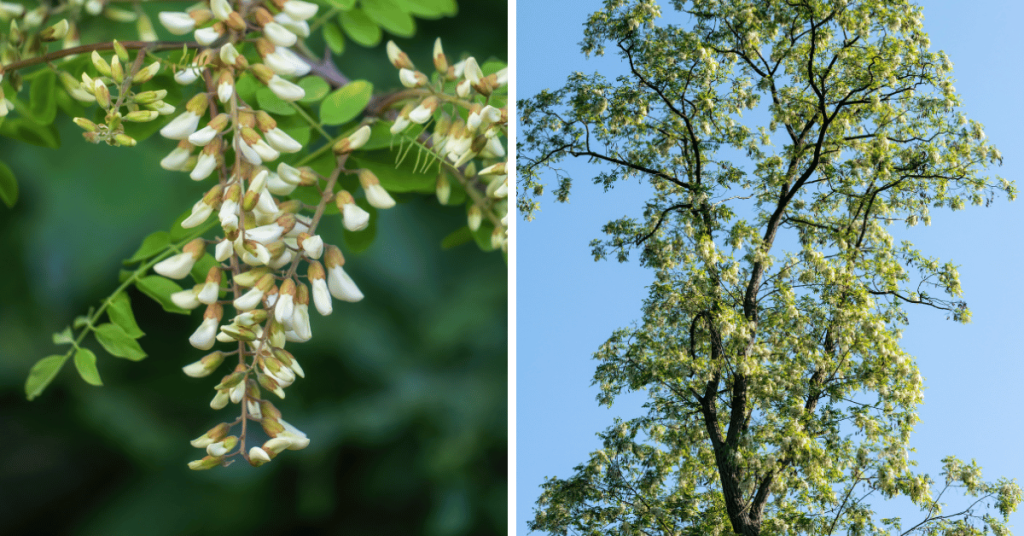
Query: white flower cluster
{"x":456,"y":141}
{"x":265,"y":238}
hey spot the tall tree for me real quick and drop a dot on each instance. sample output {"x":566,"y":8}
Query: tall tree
{"x":780,"y":401}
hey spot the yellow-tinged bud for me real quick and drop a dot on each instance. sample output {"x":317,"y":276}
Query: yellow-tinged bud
{"x":198,"y":104}
{"x":440,"y":61}
{"x":474,"y":217}
{"x":230,"y":380}
{"x":116,"y":70}
{"x":208,"y":462}
{"x":262,"y":72}
{"x":250,"y":200}
{"x":99,"y":89}
{"x":398,"y":58}
{"x":120,"y":51}
{"x":125,"y":140}
{"x":101,"y":64}
{"x":264,"y":121}
{"x":141,"y":116}
{"x":252,"y":277}
{"x":55,"y":32}
{"x":212,"y":435}
{"x":149,"y":97}
{"x":271,"y":426}
{"x":235,"y":22}
{"x":146,"y":73}
{"x":444,"y":189}
{"x":87,"y":125}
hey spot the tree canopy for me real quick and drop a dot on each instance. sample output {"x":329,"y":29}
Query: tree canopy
{"x":780,"y":400}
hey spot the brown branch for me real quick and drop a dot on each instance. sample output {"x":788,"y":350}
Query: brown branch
{"x":150,"y":46}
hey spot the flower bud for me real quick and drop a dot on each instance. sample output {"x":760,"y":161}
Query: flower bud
{"x":339,"y":283}
{"x":376,"y":195}
{"x":444,"y":189}
{"x":321,"y":294}
{"x":398,"y":58}
{"x":213,"y":435}
{"x":55,"y":32}
{"x":354,"y":141}
{"x":258,"y":457}
{"x":474,"y":217}
{"x":178,"y":266}
{"x":205,"y":366}
{"x":440,"y":61}
{"x":203,"y":338}
{"x":208,"y":462}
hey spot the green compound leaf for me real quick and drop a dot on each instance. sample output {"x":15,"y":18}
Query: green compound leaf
{"x":270,"y":103}
{"x":315,"y":87}
{"x":345,"y":104}
{"x":334,"y":38}
{"x":8,"y":186}
{"x":24,"y":130}
{"x":42,"y":373}
{"x":483,"y":235}
{"x":360,"y":28}
{"x":160,"y":289}
{"x":429,"y":9}
{"x":343,"y":5}
{"x":115,"y":341}
{"x":120,"y":313}
{"x":246,"y":87}
{"x":390,"y":15}
{"x":64,"y":337}
{"x":151,"y":245}
{"x":85,"y":362}
{"x":42,"y":98}
{"x":457,"y":238}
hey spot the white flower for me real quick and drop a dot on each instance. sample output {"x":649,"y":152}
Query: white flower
{"x":299,"y":10}
{"x":250,"y":300}
{"x":378,"y":197}
{"x":163,"y":108}
{"x":187,"y":75}
{"x":176,"y":266}
{"x":321,"y":296}
{"x":176,"y":160}
{"x":186,"y":299}
{"x":401,"y":123}
{"x":228,"y":216}
{"x":203,"y":338}
{"x":258,"y":456}
{"x":493,"y":149}
{"x":342,"y":286}
{"x":221,"y":9}
{"x":472,"y":71}
{"x":204,"y":166}
{"x":254,"y":409}
{"x":200,"y":211}
{"x":181,"y":127}
{"x":277,"y":186}
{"x":282,"y":260}
{"x":228,"y":53}
{"x":266,"y":152}
{"x":225,"y":91}
{"x":277,"y":444}
{"x":279,"y":63}
{"x":208,"y":293}
{"x":223,"y":250}
{"x":280,"y":140}
{"x":220,"y":400}
{"x":298,"y":27}
{"x":408,"y":78}
{"x":237,"y":393}
{"x":300,"y":67}
{"x":285,"y":90}
{"x":420,"y":114}
{"x":284,"y":308}
{"x":313,"y":247}
{"x":176,"y":22}
{"x":297,"y":437}
{"x":354,"y":217}
{"x":289,"y":174}
{"x":279,"y":35}
{"x":300,"y":324}
{"x":206,"y":36}
{"x":203,"y":136}
{"x":217,"y":449}
{"x":248,"y":153}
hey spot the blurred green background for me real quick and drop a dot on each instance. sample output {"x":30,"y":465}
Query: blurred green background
{"x":405,"y":392}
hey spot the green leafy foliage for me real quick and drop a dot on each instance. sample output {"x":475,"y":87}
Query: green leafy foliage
{"x":42,"y":373}
{"x":118,"y":343}
{"x":120,"y":313}
{"x":151,"y":245}
{"x":751,"y":122}
{"x":160,"y":289}
{"x":8,"y":186}
{"x":346,"y":103}
{"x":42,"y":94}
{"x":85,"y":362}
{"x":360,"y":27}
{"x":460,"y":236}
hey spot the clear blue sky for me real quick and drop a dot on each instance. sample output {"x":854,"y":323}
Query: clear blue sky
{"x":567,"y":305}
